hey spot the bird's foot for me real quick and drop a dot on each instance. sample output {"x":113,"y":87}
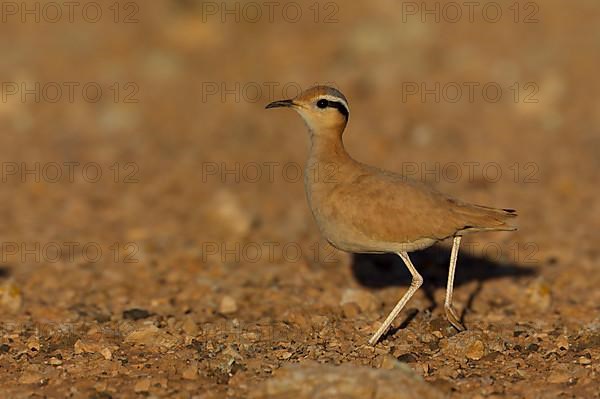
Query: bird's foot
{"x":453,"y":318}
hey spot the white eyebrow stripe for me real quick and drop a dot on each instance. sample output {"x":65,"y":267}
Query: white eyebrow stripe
{"x":329,"y":97}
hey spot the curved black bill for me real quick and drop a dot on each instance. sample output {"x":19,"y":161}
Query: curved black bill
{"x":280,"y":103}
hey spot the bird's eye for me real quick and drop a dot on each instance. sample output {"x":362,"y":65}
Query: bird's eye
{"x":322,"y":103}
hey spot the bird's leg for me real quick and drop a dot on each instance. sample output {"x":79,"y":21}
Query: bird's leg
{"x":417,"y":280}
{"x":450,"y":313}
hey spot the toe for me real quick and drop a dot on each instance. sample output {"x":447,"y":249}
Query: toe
{"x":453,"y":319}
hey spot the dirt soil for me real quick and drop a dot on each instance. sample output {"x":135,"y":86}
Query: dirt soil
{"x":156,"y":240}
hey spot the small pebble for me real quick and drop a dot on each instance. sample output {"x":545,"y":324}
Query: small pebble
{"x":190,"y":373}
{"x":106,"y":353}
{"x":475,"y":351}
{"x":151,"y":336}
{"x":228,"y":305}
{"x":55,"y":361}
{"x":584,"y":360}
{"x":33,"y":344}
{"x":562,"y":342}
{"x":85,"y":347}
{"x":283,"y":355}
{"x":190,"y":327}
{"x":350,"y":310}
{"x":366,"y":301}
{"x":136,"y":314}
{"x":407,"y":358}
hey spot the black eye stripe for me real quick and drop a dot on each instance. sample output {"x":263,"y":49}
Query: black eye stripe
{"x":324,"y":103}
{"x":340,"y":107}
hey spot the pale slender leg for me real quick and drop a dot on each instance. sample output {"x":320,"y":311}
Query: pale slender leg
{"x":450,"y":313}
{"x":417,"y":280}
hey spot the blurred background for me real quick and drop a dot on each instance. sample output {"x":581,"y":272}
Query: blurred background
{"x":155,"y":233}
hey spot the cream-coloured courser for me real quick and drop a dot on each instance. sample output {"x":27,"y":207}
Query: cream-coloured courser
{"x":363,"y":209}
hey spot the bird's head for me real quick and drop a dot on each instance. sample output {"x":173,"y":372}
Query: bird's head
{"x":323,"y":108}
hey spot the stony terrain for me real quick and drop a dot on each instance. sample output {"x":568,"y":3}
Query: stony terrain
{"x":155,"y":238}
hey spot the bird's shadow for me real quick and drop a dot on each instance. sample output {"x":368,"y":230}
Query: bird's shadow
{"x":380,"y":271}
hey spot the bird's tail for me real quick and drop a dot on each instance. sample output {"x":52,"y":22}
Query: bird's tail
{"x":484,"y":218}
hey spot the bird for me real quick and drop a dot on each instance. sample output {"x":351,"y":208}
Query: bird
{"x":364,"y":209}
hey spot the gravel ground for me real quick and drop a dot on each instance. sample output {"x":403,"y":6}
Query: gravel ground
{"x":155,"y":235}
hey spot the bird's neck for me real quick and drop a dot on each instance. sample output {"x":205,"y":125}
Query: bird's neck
{"x":328,"y":164}
{"x":327,"y":147}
